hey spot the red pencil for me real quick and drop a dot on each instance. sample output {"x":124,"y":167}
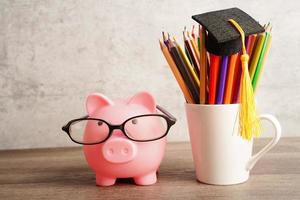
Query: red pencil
{"x":250,"y":45}
{"x":236,"y":81}
{"x":213,"y":77}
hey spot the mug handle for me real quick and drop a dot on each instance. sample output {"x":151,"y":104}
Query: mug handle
{"x":270,"y":145}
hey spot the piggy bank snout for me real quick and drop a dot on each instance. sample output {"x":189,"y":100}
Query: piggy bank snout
{"x":119,"y":150}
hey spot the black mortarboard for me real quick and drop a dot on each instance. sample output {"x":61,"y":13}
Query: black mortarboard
{"x":222,"y":37}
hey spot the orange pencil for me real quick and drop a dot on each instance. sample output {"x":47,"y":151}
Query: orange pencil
{"x":213,"y":77}
{"x":203,"y":67}
{"x":194,"y":45}
{"x":176,"y":73}
{"x":229,"y":80}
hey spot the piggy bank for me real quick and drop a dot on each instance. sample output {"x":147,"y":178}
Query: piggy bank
{"x":122,"y":155}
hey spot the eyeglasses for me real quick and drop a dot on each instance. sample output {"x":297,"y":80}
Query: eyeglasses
{"x":141,"y":128}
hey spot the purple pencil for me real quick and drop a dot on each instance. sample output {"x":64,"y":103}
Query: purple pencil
{"x":222,"y":80}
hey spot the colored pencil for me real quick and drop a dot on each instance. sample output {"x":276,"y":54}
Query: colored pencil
{"x":222,"y":80}
{"x":213,"y":77}
{"x":193,"y":88}
{"x":250,"y":45}
{"x":257,"y":50}
{"x":190,"y":59}
{"x":176,"y":73}
{"x":203,"y":68}
{"x":187,"y":63}
{"x":230,"y":76}
{"x":195,"y":48}
{"x":261,"y":61}
{"x":185,"y":48}
{"x":236,"y":81}
{"x":192,"y":53}
{"x":199,"y":39}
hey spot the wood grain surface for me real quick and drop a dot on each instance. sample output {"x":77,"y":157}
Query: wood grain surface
{"x":62,"y":173}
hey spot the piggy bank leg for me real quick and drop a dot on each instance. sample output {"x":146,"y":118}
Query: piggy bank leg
{"x":104,"y":181}
{"x":148,"y":179}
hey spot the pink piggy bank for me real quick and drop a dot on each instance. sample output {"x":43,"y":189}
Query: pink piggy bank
{"x":126,"y":138}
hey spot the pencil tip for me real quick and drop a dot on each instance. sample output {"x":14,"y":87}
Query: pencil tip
{"x":164,"y":36}
{"x":199,"y":29}
{"x":268,"y":28}
{"x":188,"y":34}
{"x":184,"y":35}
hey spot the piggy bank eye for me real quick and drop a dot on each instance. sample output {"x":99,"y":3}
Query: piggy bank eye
{"x":134,"y":121}
{"x":100,"y":123}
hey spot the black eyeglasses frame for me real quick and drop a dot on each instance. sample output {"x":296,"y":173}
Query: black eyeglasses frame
{"x":170,"y":119}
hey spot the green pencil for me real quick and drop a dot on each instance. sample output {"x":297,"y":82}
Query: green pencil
{"x":261,"y":60}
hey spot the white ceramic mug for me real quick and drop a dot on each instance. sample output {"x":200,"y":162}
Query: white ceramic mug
{"x":221,"y":156}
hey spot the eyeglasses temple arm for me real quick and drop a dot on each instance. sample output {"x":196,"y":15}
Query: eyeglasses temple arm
{"x":161,"y":109}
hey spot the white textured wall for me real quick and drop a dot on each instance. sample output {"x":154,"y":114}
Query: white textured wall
{"x":54,"y":53}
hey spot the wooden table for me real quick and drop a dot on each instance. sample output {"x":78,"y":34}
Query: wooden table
{"x":62,"y":173}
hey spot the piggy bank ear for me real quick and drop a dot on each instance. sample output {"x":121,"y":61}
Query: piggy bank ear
{"x":145,"y":99}
{"x":96,"y":101}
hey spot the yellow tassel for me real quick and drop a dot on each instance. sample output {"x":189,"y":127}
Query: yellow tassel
{"x":249,"y":121}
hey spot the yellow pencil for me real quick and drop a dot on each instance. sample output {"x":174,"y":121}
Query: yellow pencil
{"x":187,"y":62}
{"x":263,"y":61}
{"x":256,"y":53}
{"x":203,"y":68}
{"x":176,"y":73}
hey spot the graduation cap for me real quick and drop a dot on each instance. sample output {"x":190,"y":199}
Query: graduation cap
{"x":227,"y":30}
{"x":223,"y":38}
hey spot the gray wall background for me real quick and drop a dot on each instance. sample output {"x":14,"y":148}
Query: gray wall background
{"x":54,"y":53}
